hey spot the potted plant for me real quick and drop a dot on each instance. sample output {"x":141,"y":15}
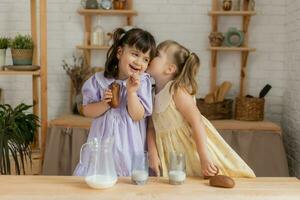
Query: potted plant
{"x":4,"y":42}
{"x":17,"y":129}
{"x":22,"y":49}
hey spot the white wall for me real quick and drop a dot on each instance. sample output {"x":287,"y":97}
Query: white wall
{"x":291,"y":111}
{"x":185,"y":21}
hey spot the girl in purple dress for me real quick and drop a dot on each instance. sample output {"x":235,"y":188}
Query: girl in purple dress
{"x":127,"y":60}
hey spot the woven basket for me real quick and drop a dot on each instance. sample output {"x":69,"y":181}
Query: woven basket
{"x":22,"y":56}
{"x":218,"y":110}
{"x":249,"y":109}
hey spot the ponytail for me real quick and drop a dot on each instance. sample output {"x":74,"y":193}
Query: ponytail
{"x":186,"y":77}
{"x":111,"y":64}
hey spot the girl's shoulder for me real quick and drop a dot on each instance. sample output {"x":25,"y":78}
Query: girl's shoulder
{"x":163,"y":98}
{"x":145,"y":77}
{"x":102,"y":80}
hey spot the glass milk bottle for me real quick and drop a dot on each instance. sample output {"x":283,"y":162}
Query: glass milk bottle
{"x":177,"y":173}
{"x":97,"y":36}
{"x":101,"y":172}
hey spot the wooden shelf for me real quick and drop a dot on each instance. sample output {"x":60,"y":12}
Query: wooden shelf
{"x":232,"y":49}
{"x":93,"y":47}
{"x":106,"y":12}
{"x":232,"y":13}
{"x":12,"y":72}
{"x":78,"y":121}
{"x":39,"y":74}
{"x":72,"y":121}
{"x":246,"y":15}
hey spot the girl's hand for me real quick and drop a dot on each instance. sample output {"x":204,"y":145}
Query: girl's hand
{"x":133,"y":83}
{"x":154,"y":163}
{"x":208,"y":168}
{"x":107,"y":96}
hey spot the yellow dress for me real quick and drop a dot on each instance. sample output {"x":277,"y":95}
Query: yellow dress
{"x":173,"y":133}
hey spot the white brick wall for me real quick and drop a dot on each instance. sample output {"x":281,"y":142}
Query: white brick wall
{"x":291,"y":111}
{"x":185,"y":21}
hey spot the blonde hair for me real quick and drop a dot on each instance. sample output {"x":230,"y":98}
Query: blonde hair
{"x":187,"y":65}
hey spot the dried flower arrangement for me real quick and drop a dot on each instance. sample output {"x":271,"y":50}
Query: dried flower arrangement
{"x":78,"y":72}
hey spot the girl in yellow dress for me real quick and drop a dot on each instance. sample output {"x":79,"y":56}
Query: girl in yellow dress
{"x":176,"y":123}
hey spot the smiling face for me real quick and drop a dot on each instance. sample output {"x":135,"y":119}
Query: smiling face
{"x":131,"y":61}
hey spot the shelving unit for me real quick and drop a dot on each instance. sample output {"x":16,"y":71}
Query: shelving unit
{"x":39,"y":77}
{"x":89,"y":13}
{"x":72,"y":121}
{"x":244,"y":49}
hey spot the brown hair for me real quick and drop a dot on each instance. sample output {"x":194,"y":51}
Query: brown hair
{"x":187,"y":64}
{"x":140,"y":39}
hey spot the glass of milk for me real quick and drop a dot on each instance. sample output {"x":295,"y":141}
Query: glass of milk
{"x":177,"y":173}
{"x":139,"y":172}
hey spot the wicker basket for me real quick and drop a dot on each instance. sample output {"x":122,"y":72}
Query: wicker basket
{"x":22,"y":56}
{"x":249,"y":109}
{"x":218,"y":110}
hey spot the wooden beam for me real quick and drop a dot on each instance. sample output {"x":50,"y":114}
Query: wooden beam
{"x":232,"y":13}
{"x":36,"y":106}
{"x":246,"y":5}
{"x":129,"y":21}
{"x":103,"y":12}
{"x":213,"y":71}
{"x":88,"y":31}
{"x":43,"y":61}
{"x":215,"y":5}
{"x":34,"y":31}
{"x":243,"y":75}
{"x":129,"y":5}
{"x":246,"y":21}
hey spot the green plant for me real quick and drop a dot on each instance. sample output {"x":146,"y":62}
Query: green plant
{"x":22,"y":42}
{"x":17,"y":130}
{"x":4,"y":42}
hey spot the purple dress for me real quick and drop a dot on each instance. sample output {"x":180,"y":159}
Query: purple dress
{"x":129,"y":135}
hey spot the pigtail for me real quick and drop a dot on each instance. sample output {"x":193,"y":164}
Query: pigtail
{"x":111,"y":64}
{"x":186,"y":78}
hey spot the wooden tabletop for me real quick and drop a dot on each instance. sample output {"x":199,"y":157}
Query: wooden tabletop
{"x":70,"y":187}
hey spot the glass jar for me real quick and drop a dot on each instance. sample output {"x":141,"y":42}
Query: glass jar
{"x":97,"y":36}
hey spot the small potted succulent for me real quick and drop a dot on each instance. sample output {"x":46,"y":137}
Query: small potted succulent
{"x":17,"y":130}
{"x":4,"y":42}
{"x":22,"y":49}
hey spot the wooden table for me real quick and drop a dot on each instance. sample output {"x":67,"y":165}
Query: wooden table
{"x":71,"y":187}
{"x":258,"y":143}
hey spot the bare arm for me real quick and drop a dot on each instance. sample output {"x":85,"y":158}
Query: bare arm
{"x":187,"y":107}
{"x":134,"y":106}
{"x":154,"y":161}
{"x":97,"y":109}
